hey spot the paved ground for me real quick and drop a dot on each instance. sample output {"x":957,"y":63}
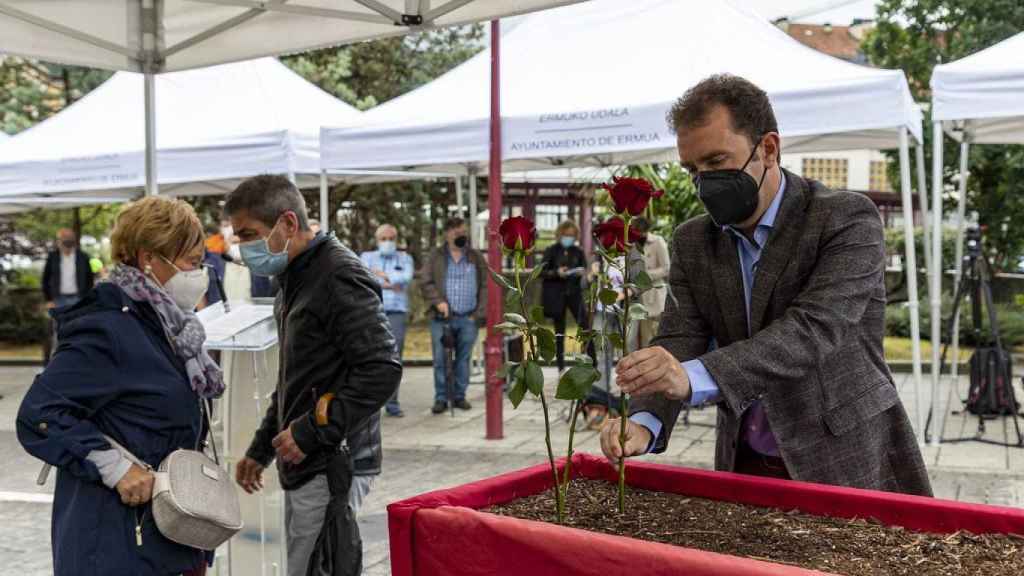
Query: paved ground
{"x":425,"y":452}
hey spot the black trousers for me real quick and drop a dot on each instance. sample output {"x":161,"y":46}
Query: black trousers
{"x":574,"y":304}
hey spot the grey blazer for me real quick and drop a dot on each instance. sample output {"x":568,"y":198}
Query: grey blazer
{"x":815,"y":358}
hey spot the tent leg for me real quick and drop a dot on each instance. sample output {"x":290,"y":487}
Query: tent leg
{"x":958,"y":269}
{"x":911,"y":268}
{"x":922,"y":202}
{"x":473,"y":199}
{"x":152,"y":188}
{"x":936,"y":290}
{"x":458,"y":199}
{"x":325,"y":223}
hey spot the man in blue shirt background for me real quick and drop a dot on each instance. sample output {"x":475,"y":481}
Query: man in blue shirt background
{"x":394,"y":270}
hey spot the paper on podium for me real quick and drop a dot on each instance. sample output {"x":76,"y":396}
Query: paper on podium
{"x":248,"y":326}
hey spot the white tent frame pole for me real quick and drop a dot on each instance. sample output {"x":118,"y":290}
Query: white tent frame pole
{"x":936,"y":290}
{"x":444,"y":9}
{"x":302,"y":10}
{"x":958,"y":267}
{"x":911,"y":268}
{"x":152,"y":183}
{"x":382,"y":9}
{"x":458,"y":196}
{"x":473,"y":209}
{"x":325,"y":223}
{"x":922,"y":202}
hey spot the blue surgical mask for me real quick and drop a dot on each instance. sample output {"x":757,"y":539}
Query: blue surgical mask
{"x":260,"y":260}
{"x":568,"y":241}
{"x":387,"y":247}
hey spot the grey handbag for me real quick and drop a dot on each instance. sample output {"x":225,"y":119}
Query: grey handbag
{"x":194,"y":502}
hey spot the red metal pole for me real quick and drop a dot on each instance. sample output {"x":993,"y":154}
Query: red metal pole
{"x":493,"y":346}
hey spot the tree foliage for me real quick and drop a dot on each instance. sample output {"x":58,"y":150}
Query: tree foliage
{"x":915,"y":35}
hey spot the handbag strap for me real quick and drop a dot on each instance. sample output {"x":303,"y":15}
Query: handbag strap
{"x":206,"y":406}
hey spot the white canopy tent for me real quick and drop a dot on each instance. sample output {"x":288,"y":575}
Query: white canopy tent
{"x":215,"y":126}
{"x":590,"y":84}
{"x":155,"y":36}
{"x":978,"y":99}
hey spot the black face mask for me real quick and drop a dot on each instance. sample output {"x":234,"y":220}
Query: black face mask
{"x":730,"y":196}
{"x":68,"y":244}
{"x":461,"y":241}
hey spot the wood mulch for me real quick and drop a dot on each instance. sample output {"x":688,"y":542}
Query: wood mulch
{"x":850,"y":547}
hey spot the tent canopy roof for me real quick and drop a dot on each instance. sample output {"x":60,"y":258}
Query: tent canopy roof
{"x":213,"y":124}
{"x":194,"y":33}
{"x":985,"y":89}
{"x":606,"y":72}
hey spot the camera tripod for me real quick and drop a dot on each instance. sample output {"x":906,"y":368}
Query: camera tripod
{"x":975,"y":281}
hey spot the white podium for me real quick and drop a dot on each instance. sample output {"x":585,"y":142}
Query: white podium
{"x":246,"y":337}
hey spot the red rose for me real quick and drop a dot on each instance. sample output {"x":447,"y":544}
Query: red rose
{"x":611,"y":235}
{"x":631,"y":194}
{"x":517,"y":233}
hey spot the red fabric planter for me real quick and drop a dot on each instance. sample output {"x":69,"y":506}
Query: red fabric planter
{"x":442,"y":533}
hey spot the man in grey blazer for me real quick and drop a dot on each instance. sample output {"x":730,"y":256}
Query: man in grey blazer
{"x":776,"y":314}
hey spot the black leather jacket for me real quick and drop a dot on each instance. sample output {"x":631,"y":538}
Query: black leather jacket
{"x":334,"y":337}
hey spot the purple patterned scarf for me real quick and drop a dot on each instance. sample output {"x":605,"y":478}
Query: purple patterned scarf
{"x":183,"y":329}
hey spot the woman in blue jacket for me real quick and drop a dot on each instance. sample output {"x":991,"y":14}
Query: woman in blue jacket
{"x":130,"y":365}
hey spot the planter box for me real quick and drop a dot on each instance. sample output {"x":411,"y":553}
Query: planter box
{"x":443,"y":534}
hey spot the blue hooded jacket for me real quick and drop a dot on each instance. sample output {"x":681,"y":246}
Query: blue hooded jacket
{"x":114,"y":373}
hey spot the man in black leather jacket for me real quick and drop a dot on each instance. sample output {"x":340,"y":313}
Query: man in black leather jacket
{"x":334,"y":339}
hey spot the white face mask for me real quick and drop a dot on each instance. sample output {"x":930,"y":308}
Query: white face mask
{"x":235,"y":253}
{"x":186,"y":288}
{"x":227,"y":233}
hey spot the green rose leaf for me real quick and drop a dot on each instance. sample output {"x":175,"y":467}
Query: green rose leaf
{"x":545,"y":343}
{"x":534,"y":378}
{"x":537,"y":314}
{"x":608,"y":296}
{"x":643,"y":281}
{"x":518,"y":391}
{"x":616,"y":340}
{"x":500,"y":279}
{"x":637,"y":312}
{"x":576,"y":382}
{"x":513,"y":300}
{"x":515,"y":319}
{"x":507,"y":327}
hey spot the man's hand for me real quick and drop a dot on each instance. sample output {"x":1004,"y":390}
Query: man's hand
{"x":136,"y":486}
{"x":381,"y":274}
{"x":249,"y":475}
{"x":637,"y":440}
{"x":650,"y":371}
{"x":287,"y":450}
{"x":563,"y":271}
{"x":443,"y":309}
{"x":51,"y":305}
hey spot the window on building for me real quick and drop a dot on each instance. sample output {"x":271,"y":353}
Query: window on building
{"x":832,"y":172}
{"x":879,"y":178}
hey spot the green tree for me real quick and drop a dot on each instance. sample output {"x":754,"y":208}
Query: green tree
{"x":915,"y":35}
{"x":369,"y":73}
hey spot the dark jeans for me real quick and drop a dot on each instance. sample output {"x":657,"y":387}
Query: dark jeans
{"x":397,"y":322}
{"x":574,"y":304}
{"x":465,"y":331}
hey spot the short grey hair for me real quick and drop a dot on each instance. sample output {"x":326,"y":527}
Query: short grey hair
{"x":385,"y":228}
{"x":266,"y":198}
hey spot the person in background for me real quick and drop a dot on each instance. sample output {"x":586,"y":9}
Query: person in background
{"x":67,"y":276}
{"x":213,"y":261}
{"x":564,"y":268}
{"x":337,"y":353}
{"x":656,"y":264}
{"x":454,"y":284}
{"x":130,"y":366}
{"x":314,"y":225}
{"x":394,"y":271}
